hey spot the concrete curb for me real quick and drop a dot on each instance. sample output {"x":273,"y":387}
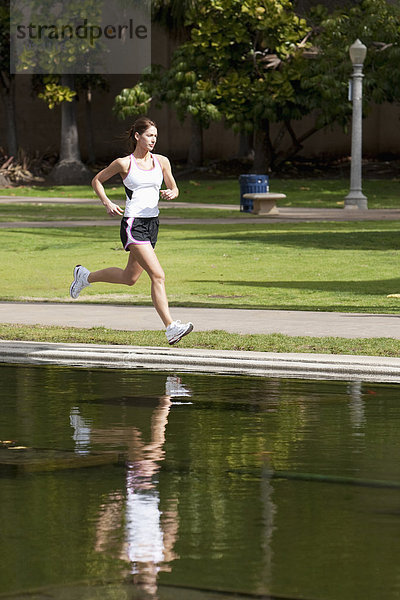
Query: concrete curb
{"x":262,"y":364}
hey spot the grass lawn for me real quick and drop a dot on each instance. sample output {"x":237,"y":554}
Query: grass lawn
{"x":310,"y":266}
{"x":307,"y":193}
{"x":214,"y":340}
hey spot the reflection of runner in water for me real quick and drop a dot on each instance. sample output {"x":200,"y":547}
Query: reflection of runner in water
{"x":81,"y":435}
{"x":145,"y":546}
{"x":150,"y":534}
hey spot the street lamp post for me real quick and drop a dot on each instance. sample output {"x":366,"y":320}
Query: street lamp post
{"x":355,"y":198}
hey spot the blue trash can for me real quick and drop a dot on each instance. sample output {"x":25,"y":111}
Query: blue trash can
{"x":251,"y":184}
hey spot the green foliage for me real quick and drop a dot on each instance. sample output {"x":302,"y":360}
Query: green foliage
{"x":5,"y":36}
{"x":49,"y":88}
{"x":250,"y":52}
{"x":132,"y":102}
{"x":54,"y":93}
{"x":189,"y":92}
{"x":257,"y":55}
{"x":70,"y":53}
{"x":324,"y":85}
{"x":239,"y":63}
{"x":256,"y":62}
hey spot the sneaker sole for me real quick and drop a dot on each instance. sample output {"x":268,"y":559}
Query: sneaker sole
{"x":189,"y":329}
{"x":74,"y":282}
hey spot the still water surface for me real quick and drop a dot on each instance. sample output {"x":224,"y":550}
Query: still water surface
{"x":228,"y":485}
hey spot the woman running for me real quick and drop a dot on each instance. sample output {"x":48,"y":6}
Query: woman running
{"x":142,"y":173}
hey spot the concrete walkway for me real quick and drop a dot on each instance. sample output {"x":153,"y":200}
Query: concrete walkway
{"x":286,"y":214}
{"x":139,"y":318}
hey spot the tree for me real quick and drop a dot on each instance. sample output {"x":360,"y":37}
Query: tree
{"x":58,"y":90}
{"x":85,"y":86}
{"x":264,"y":65}
{"x":69,"y":169}
{"x":323,"y":88}
{"x":251,"y":52}
{"x":66,"y":55}
{"x":256,"y":63}
{"x":377,"y":23}
{"x":175,"y":87}
{"x":239,"y":63}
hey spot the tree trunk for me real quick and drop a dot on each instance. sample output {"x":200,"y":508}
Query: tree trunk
{"x":70,"y":168}
{"x":195,"y":155}
{"x":245,"y":144}
{"x":263,"y":152}
{"x":297,"y":143}
{"x":7,"y":89}
{"x":89,"y":128}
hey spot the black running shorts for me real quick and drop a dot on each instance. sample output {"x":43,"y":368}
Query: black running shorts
{"x":138,"y":231}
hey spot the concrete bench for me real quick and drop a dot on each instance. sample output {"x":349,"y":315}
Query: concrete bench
{"x":264,"y":203}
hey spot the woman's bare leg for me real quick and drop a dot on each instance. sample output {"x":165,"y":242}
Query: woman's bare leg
{"x":147,"y":259}
{"x":127,"y":276}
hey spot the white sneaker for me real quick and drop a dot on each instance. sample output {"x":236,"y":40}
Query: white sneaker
{"x":177,"y":330}
{"x":80,"y":281}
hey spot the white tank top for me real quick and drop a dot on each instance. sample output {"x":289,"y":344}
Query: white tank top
{"x":142,"y":187}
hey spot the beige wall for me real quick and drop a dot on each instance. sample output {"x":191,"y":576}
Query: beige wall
{"x":381,"y":135}
{"x":383,"y":132}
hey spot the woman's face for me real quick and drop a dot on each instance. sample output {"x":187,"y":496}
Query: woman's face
{"x":147,"y":140}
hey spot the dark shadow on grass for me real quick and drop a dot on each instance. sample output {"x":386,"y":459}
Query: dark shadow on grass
{"x":381,"y":287}
{"x":391,"y":309}
{"x":324,"y":240}
{"x":267,"y":235}
{"x":309,"y":307}
{"x":94,"y":232}
{"x":368,"y":316}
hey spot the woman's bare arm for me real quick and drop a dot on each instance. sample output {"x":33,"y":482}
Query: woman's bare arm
{"x":172,"y":189}
{"x":118,"y":166}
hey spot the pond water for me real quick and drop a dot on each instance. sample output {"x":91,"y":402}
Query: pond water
{"x":216,"y":486}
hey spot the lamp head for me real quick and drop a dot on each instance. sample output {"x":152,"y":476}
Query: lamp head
{"x":357,"y":52}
